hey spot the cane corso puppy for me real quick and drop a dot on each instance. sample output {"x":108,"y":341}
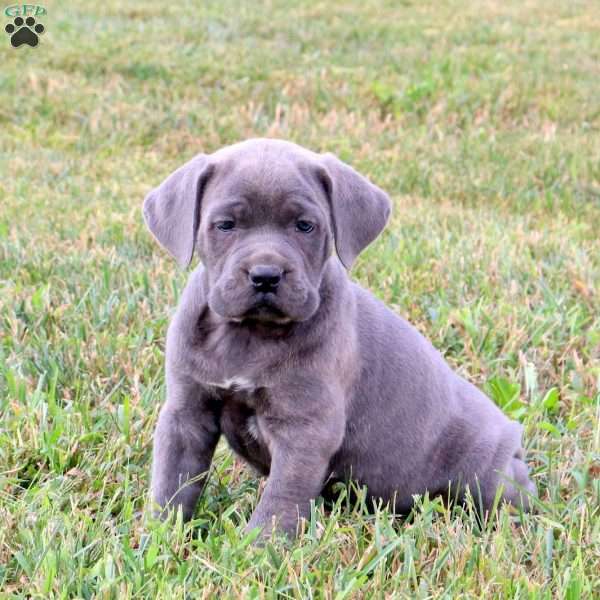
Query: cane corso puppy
{"x":307,"y":374}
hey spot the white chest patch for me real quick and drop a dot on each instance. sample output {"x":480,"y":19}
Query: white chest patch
{"x":240,"y":384}
{"x":252,"y":427}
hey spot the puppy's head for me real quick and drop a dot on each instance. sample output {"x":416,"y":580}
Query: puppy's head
{"x":265,"y":216}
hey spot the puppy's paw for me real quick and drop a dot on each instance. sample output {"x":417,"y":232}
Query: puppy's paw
{"x":170,"y":511}
{"x":516,"y":487}
{"x":269,"y":531}
{"x":524,"y":492}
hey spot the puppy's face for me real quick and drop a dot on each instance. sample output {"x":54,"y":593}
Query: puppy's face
{"x":265,"y":215}
{"x":264,"y":238}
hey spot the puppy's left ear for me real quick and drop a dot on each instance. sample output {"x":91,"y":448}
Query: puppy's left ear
{"x":172,"y":210}
{"x":359,"y":210}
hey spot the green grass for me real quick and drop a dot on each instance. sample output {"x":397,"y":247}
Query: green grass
{"x":482,"y":121}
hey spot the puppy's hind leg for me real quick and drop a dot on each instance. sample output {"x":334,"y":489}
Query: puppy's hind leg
{"x":184,"y":442}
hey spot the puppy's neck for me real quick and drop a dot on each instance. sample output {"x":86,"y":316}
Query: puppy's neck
{"x":215,"y":349}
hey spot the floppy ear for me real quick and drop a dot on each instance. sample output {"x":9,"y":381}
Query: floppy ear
{"x":359,"y":209}
{"x":172,"y":210}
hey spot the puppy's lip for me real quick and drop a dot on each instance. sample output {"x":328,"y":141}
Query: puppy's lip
{"x":266,"y":308}
{"x":266,"y":299}
{"x":264,"y":311}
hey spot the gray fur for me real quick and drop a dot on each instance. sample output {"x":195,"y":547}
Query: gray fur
{"x":318,"y":379}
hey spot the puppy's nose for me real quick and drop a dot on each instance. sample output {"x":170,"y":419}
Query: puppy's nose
{"x":265,"y":278}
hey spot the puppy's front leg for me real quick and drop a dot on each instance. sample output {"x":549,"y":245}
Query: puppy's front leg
{"x":184,"y":442}
{"x":303,"y":433}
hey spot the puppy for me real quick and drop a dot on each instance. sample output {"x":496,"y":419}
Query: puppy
{"x":308,"y":376}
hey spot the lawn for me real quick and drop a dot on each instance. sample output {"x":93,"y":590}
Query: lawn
{"x":481,"y":120}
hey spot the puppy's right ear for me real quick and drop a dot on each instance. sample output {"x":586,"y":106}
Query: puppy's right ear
{"x":172,"y":210}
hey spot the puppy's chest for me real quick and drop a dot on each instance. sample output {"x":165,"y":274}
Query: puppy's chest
{"x":243,"y":426}
{"x":239,"y":385}
{"x":242,"y":395}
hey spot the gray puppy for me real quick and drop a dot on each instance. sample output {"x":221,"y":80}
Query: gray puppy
{"x":307,"y":375}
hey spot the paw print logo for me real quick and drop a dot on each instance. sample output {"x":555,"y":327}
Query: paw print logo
{"x":24,"y":32}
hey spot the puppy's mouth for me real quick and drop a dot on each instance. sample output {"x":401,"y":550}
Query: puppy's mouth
{"x":265,"y":309}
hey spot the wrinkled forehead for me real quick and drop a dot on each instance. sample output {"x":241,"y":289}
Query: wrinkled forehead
{"x":262,"y":179}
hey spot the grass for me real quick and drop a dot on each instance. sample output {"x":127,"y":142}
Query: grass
{"x":481,"y":120}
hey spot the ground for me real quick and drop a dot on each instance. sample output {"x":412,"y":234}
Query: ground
{"x":481,"y":120}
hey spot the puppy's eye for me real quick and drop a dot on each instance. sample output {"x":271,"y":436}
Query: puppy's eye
{"x":304,"y":226}
{"x":226,"y":225}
